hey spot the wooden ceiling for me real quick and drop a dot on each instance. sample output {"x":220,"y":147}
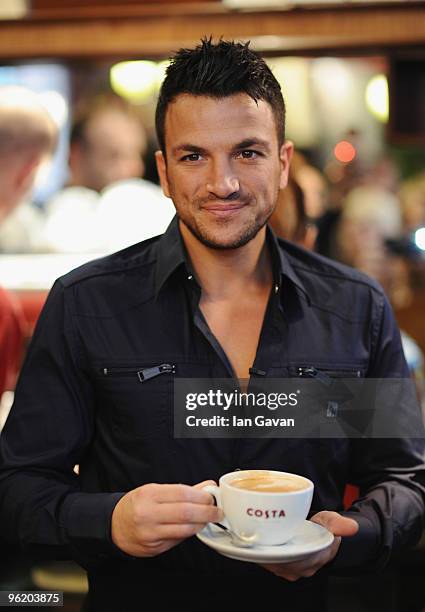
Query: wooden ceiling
{"x":72,"y":9}
{"x":107,"y":29}
{"x":58,"y":4}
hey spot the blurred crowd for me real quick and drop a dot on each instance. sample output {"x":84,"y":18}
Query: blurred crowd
{"x":365,"y":217}
{"x":106,"y":204}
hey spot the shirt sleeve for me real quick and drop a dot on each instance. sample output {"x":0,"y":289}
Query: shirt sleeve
{"x":48,"y":431}
{"x":389,"y":472}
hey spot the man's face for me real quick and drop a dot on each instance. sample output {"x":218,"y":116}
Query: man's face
{"x":112,"y":152}
{"x":223,"y":167}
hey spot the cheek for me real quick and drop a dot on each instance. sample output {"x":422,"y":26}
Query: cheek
{"x":264,"y":178}
{"x":268,"y":187}
{"x":185,"y":185}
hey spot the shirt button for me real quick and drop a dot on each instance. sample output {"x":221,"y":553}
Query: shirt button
{"x":190,"y":277}
{"x":276,"y":288}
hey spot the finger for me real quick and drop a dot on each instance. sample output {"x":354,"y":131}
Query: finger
{"x":311,"y":563}
{"x":205,"y":483}
{"x":178,"y":531}
{"x":166,"y":493}
{"x":280,"y":571}
{"x":336,"y":523}
{"x":156,"y":547}
{"x":306,"y":567}
{"x":298,"y":567}
{"x":295,"y":567}
{"x":293,"y":574}
{"x":188,"y":513}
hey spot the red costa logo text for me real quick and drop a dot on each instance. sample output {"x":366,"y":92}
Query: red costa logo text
{"x":259,"y":513}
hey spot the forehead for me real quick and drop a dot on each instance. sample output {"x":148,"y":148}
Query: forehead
{"x":113,"y":128}
{"x":196,"y":119}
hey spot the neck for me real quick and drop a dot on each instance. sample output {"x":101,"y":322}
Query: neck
{"x":226,"y":273}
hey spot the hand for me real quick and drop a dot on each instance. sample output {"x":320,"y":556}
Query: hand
{"x":149,"y":520}
{"x":336,"y":524}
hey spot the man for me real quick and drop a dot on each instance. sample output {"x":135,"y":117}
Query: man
{"x":216,"y":296}
{"x":27,"y":136}
{"x":107,"y":146}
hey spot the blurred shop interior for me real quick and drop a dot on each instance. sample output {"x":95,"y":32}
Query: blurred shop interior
{"x":353,"y":78}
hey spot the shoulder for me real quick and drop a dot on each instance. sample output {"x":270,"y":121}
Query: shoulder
{"x":136,"y":259}
{"x":332,"y":285}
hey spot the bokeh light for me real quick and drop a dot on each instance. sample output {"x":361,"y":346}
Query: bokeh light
{"x":344,"y":151}
{"x":377,"y":99}
{"x":56,"y":106}
{"x":136,"y":81}
{"x":420,"y":238}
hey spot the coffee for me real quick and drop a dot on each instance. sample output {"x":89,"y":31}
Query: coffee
{"x":272,"y":483}
{"x":263,"y":507}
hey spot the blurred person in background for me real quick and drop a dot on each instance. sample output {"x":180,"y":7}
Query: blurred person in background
{"x":374,"y":216}
{"x":412,"y":198}
{"x":313,"y":184}
{"x":370,"y":216}
{"x":372,"y":190}
{"x":289,"y":219}
{"x":107,"y":147}
{"x":369,"y":220}
{"x":300,"y":204}
{"x":107,"y":144}
{"x":28,"y":137}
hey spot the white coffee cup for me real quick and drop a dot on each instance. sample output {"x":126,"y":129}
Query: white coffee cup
{"x":263,"y":507}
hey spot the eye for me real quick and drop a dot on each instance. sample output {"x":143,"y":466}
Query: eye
{"x":249,"y":154}
{"x":192,"y":157}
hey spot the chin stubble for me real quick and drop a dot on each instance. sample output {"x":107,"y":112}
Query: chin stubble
{"x":238,"y":242}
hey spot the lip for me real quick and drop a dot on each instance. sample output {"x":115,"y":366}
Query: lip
{"x":223,"y":210}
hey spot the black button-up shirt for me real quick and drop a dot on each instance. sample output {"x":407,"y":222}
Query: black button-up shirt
{"x":80,"y":401}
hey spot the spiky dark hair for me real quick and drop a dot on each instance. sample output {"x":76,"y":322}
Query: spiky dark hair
{"x":219,"y":70}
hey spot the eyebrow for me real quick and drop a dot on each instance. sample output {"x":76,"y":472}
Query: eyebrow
{"x":187,"y":147}
{"x":253,"y":142}
{"x":244,"y":144}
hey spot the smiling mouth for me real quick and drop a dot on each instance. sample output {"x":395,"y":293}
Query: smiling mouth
{"x":225,"y":208}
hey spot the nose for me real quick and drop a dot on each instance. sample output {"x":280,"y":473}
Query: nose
{"x":222,"y":181}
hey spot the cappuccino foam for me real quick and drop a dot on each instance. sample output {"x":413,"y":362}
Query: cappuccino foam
{"x":269,"y":484}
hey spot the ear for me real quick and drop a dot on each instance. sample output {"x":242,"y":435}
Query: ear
{"x":285,"y":155}
{"x":161,"y":166}
{"x":25,"y":175}
{"x":76,"y":162}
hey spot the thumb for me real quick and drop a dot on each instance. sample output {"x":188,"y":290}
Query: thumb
{"x":336,"y":523}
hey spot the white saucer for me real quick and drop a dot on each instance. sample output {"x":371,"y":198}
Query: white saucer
{"x":311,"y":538}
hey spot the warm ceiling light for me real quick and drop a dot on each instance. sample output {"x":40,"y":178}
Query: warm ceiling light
{"x":377,"y":97}
{"x":136,"y":80}
{"x":13,"y":9}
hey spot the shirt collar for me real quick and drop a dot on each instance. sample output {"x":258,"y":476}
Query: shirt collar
{"x":172,"y":255}
{"x":282,"y":267}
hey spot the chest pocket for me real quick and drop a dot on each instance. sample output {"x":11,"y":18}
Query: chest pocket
{"x":325,"y":373}
{"x":338,"y":393}
{"x":135,"y":400}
